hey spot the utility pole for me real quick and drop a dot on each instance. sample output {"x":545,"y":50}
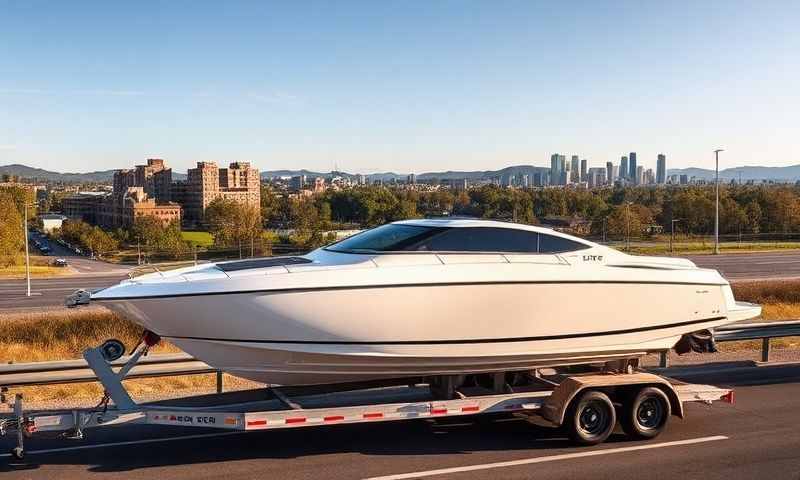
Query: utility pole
{"x":27,"y":252}
{"x":716,"y":207}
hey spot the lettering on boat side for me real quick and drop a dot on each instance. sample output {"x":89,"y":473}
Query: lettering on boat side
{"x":592,"y":258}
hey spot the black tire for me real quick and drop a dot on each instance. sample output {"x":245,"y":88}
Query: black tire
{"x":591,"y":418}
{"x":112,"y":349}
{"x":646,"y":413}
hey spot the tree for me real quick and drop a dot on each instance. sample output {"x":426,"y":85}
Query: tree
{"x":270,"y":205}
{"x":99,"y":242}
{"x":233,"y":223}
{"x":158,"y":237}
{"x":625,"y":222}
{"x":12,"y":239}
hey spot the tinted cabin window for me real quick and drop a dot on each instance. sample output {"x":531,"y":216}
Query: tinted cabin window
{"x":386,"y":238}
{"x":481,"y":239}
{"x":553,"y":244}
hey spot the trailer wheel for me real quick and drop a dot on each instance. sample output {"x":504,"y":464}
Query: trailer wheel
{"x":646,"y":413}
{"x":112,"y":349}
{"x":591,"y":418}
{"x":18,"y":453}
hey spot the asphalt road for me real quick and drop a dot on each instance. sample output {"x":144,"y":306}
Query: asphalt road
{"x":48,"y":292}
{"x":747,"y":266}
{"x":758,"y":437}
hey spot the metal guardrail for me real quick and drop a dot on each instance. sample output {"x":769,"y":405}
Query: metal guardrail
{"x":748,"y":331}
{"x":163,"y":365}
{"x":76,"y":371}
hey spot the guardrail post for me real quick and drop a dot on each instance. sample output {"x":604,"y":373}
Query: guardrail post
{"x":765,"y":349}
{"x":663,"y":361}
{"x":219,"y":381}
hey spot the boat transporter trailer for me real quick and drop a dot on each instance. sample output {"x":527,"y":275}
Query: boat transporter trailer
{"x":586,"y":405}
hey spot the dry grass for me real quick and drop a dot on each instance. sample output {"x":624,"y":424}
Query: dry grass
{"x":18,"y":271}
{"x":65,"y":334}
{"x":768,"y":291}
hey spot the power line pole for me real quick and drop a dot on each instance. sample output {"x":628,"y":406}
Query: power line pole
{"x":716,"y":206}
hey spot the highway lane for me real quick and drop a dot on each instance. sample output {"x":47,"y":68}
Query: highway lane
{"x":49,"y":292}
{"x":756,"y":438}
{"x":753,"y":266}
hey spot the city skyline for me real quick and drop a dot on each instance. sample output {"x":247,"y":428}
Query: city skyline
{"x":376,"y":87}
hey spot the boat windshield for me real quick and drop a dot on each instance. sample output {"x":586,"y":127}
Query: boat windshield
{"x":386,"y":238}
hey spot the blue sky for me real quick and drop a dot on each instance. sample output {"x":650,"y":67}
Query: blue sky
{"x":397,"y":85}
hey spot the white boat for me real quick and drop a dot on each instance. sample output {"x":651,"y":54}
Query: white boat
{"x":428,"y":298}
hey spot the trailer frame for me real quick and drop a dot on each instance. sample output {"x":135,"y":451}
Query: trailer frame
{"x":543,"y":399}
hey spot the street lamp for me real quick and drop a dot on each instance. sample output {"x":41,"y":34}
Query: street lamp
{"x":27,"y":252}
{"x":628,"y":226}
{"x":672,"y":234}
{"x":716,"y":207}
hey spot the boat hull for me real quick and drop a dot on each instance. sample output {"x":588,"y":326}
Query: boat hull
{"x":333,"y":335}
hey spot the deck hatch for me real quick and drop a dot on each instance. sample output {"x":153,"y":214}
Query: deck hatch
{"x":261,"y":263}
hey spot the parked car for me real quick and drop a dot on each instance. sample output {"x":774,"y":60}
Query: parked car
{"x":60,"y":262}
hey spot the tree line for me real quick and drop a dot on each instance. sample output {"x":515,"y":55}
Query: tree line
{"x":616,"y":212}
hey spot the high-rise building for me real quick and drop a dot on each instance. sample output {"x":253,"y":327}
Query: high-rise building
{"x":632,"y":167}
{"x":361,"y":179}
{"x":661,"y":169}
{"x":609,"y":172}
{"x":412,"y":179}
{"x":638,"y":179}
{"x":554,"y":170}
{"x":614,"y":174}
{"x":558,"y":165}
{"x":684,"y":179}
{"x":575,"y":169}
{"x":207,"y":182}
{"x":154,"y":178}
{"x":596,"y":177}
{"x":623,"y":168}
{"x":583,"y":170}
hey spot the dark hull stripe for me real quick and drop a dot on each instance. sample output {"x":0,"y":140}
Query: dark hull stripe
{"x":456,"y":342}
{"x":409,"y":285}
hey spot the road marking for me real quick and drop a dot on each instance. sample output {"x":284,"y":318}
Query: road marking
{"x":130,"y":442}
{"x":552,"y":458}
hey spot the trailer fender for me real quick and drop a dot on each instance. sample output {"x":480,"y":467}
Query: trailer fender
{"x":555,"y":407}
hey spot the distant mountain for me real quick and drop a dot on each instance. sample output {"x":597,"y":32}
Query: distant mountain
{"x":38,"y":174}
{"x":41,"y":175}
{"x":529,"y":170}
{"x":790,"y":173}
{"x":448,"y":175}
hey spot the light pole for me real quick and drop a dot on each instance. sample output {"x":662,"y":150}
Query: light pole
{"x":27,"y":253}
{"x":716,"y":205}
{"x":628,"y":226}
{"x":672,"y":234}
